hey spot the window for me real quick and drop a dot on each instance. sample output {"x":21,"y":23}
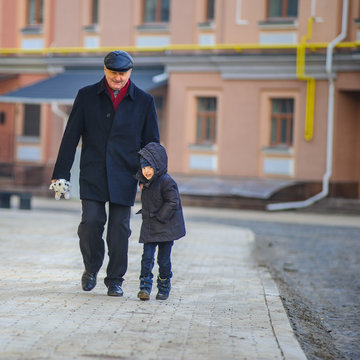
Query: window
{"x":210,"y":10}
{"x":156,"y":11}
{"x":282,"y":8}
{"x":35,"y":12}
{"x":31,"y":120}
{"x":206,"y":120}
{"x":2,"y":118}
{"x":282,"y":114}
{"x":95,"y":11}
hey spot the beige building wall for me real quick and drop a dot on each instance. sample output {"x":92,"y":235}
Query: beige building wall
{"x":183,"y":26}
{"x":7,"y":23}
{"x":6,"y":134}
{"x":346,"y":161}
{"x":114,"y":30}
{"x":242,"y":22}
{"x":176,"y":137}
{"x":243,"y":109}
{"x":239,"y":128}
{"x":311,"y":155}
{"x":243,"y":126}
{"x":67,"y":25}
{"x":347,"y":135}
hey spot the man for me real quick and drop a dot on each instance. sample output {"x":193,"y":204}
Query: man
{"x":114,"y":119}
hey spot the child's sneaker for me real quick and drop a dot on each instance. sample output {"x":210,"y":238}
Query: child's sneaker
{"x":143,"y":294}
{"x":162,"y":295}
{"x":164,"y":287}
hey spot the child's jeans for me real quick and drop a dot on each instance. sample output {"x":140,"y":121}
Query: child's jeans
{"x":163,"y":260}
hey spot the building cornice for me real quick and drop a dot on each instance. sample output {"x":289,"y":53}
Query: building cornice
{"x":230,"y":66}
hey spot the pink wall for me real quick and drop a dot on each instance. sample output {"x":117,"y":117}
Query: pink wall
{"x":116,"y":23}
{"x":247,"y":31}
{"x":239,"y":126}
{"x":67,"y":24}
{"x":7,"y":134}
{"x":347,"y":135}
{"x":347,"y":128}
{"x":311,"y":155}
{"x":183,"y":25}
{"x":175,"y":131}
{"x":8,"y":23}
{"x":243,"y":130}
{"x":65,"y":21}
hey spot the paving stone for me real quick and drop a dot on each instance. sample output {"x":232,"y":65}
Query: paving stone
{"x":222,"y":306}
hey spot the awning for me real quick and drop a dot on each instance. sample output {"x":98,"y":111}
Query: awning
{"x":63,"y":88}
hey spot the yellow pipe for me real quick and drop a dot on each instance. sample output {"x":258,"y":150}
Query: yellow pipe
{"x":178,"y":47}
{"x":301,"y":51}
{"x":310,"y":83}
{"x":309,"y":115}
{"x":300,"y":60}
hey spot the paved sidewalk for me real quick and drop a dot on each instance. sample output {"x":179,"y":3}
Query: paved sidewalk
{"x":222,"y":306}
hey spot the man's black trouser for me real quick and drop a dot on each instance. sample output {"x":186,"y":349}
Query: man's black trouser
{"x":92,"y":245}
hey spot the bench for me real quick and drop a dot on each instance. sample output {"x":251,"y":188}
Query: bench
{"x":25,"y":199}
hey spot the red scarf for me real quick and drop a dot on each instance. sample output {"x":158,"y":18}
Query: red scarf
{"x":116,"y":100}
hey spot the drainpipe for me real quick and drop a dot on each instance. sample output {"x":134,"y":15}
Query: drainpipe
{"x":60,"y":113}
{"x":330,"y":128}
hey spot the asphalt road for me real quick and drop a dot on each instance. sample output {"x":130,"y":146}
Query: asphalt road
{"x":316,"y":265}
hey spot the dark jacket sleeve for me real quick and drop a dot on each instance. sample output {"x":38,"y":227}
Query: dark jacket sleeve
{"x":70,"y":140}
{"x":170,"y":195}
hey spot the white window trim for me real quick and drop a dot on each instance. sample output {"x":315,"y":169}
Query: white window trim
{"x":238,"y":14}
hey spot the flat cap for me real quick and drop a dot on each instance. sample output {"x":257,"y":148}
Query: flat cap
{"x":118,"y":61}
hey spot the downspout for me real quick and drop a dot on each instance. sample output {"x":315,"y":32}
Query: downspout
{"x":60,"y":113}
{"x":330,"y":128}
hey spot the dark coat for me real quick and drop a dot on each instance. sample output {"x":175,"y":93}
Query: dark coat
{"x":162,"y":216}
{"x":110,"y":142}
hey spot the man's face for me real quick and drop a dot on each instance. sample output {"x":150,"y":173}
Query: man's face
{"x":116,"y":80}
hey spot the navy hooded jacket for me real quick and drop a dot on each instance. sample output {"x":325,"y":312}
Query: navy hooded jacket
{"x":162,"y":215}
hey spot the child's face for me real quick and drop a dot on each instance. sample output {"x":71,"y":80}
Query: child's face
{"x":148,"y":172}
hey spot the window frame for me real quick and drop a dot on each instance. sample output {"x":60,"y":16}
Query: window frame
{"x":158,"y":13}
{"x":284,"y":8}
{"x":31,"y":120}
{"x":210,"y":10}
{"x":2,"y":118}
{"x":280,"y":117}
{"x":206,"y":122}
{"x":94,"y":15}
{"x":38,"y":15}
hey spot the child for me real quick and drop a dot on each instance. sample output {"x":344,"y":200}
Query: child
{"x":162,"y":219}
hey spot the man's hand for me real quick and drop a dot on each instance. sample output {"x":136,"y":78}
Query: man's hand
{"x":61,"y":188}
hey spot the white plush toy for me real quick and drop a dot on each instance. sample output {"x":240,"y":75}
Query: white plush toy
{"x":61,"y":187}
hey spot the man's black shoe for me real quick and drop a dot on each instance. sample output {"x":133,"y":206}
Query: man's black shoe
{"x":115,"y":290}
{"x":88,"y":281}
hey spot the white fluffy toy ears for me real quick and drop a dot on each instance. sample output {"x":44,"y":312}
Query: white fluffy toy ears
{"x":61,"y":188}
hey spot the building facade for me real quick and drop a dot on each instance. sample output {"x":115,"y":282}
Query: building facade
{"x":244,"y":89}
